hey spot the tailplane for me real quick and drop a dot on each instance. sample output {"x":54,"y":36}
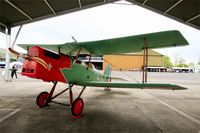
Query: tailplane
{"x":107,"y":72}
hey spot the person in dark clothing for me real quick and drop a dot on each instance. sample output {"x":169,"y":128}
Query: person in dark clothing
{"x":14,"y":71}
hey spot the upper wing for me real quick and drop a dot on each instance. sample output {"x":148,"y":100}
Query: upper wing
{"x":120,"y":45}
{"x":131,"y":85}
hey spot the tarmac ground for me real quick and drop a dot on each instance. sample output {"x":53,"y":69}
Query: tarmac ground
{"x":119,"y":110}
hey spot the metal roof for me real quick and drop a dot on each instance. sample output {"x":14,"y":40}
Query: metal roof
{"x":19,"y":12}
{"x":184,"y":11}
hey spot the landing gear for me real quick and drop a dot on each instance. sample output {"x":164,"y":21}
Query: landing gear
{"x":76,"y":105}
{"x":42,"y":99}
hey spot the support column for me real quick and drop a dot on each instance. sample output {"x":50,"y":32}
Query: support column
{"x":16,"y":36}
{"x":8,"y":44}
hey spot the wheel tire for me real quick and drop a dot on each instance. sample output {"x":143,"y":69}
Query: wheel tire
{"x":41,"y":99}
{"x":77,"y":107}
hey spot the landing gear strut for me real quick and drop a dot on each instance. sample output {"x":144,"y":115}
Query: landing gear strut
{"x":44,"y":98}
{"x":76,"y":105}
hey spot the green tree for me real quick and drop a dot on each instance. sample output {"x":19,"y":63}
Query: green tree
{"x":191,"y":64}
{"x":167,"y":61}
{"x":181,"y":62}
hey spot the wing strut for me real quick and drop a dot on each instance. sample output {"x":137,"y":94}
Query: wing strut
{"x":89,"y":60}
{"x":78,"y":53}
{"x":145,"y":62}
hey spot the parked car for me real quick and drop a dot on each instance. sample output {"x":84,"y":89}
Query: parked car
{"x":2,"y":64}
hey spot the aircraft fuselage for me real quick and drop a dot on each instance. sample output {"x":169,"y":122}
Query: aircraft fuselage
{"x":61,"y":68}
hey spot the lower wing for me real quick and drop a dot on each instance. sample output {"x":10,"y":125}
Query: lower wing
{"x":132,"y":85}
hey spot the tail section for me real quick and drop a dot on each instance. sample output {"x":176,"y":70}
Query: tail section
{"x":107,"y":72}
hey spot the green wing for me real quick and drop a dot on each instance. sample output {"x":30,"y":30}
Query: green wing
{"x":127,"y":44}
{"x":131,"y":85}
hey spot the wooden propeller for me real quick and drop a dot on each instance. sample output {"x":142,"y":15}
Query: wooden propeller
{"x":27,"y":56}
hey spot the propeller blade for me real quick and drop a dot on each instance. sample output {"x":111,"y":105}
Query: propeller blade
{"x":13,"y":52}
{"x":26,"y":56}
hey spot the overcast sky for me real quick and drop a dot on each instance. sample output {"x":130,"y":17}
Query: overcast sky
{"x":108,"y":21}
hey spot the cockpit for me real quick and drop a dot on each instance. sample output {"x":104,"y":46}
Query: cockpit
{"x":91,"y":66}
{"x":83,"y":63}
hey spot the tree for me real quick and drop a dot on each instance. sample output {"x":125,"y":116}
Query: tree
{"x":191,"y":64}
{"x":176,"y":58}
{"x":167,"y":61}
{"x":181,"y":63}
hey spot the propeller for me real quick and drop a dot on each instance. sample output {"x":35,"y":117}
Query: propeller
{"x":27,"y":56}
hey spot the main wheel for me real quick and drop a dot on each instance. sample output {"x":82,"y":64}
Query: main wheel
{"x":77,"y":107}
{"x":42,"y":99}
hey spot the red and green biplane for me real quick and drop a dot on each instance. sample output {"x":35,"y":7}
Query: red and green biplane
{"x":59,"y":63}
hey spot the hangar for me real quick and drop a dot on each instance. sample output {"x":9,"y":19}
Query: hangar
{"x":17,"y":12}
{"x":133,"y":61}
{"x":126,"y":62}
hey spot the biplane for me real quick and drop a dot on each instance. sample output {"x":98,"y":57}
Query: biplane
{"x":60,"y":63}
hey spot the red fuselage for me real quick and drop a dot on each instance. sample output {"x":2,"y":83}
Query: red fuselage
{"x":55,"y":61}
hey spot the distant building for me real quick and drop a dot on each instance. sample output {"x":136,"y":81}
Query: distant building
{"x":3,"y":55}
{"x":133,"y":61}
{"x":97,"y":61}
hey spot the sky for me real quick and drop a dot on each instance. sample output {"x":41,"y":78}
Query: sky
{"x":107,"y":21}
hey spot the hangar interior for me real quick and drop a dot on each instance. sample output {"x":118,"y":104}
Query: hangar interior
{"x":19,"y":12}
{"x":120,"y":110}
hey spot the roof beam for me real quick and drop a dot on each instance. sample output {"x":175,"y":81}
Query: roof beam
{"x":3,"y":28}
{"x":3,"y":25}
{"x":173,"y":6}
{"x":49,"y":6}
{"x":79,"y":2}
{"x":193,"y":18}
{"x":144,"y":2}
{"x":18,"y":9}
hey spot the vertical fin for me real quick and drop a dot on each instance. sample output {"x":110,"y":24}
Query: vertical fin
{"x":107,"y":72}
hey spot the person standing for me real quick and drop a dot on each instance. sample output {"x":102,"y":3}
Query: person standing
{"x":14,"y":71}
